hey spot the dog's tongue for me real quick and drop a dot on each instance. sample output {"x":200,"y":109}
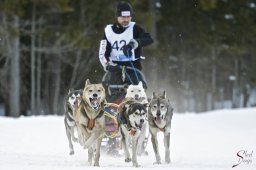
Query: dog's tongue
{"x":94,"y":102}
{"x":139,"y":125}
{"x":158,"y":120}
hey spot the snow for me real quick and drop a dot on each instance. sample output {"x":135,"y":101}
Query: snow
{"x":198,"y":141}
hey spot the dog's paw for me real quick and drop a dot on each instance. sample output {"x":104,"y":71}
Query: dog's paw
{"x":71,"y":153}
{"x":128,"y":160}
{"x":167,"y":158}
{"x":96,"y":164}
{"x":136,"y":165}
{"x":157,"y":162}
{"x":167,"y":161}
{"x":143,"y":153}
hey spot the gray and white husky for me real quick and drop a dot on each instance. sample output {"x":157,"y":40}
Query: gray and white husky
{"x":160,"y":115}
{"x":69,"y":119}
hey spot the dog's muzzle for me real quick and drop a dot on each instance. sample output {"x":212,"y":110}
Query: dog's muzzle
{"x":139,"y":126}
{"x":95,"y":101}
{"x":159,"y":118}
{"x":136,"y":97}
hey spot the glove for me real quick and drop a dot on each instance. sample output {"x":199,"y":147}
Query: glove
{"x":127,"y":49}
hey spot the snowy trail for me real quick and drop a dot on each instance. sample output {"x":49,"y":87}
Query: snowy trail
{"x":198,"y":141}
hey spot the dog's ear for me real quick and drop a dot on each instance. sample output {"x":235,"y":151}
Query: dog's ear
{"x":70,"y":90}
{"x":145,"y":105}
{"x":126,"y":106}
{"x":87,"y":82}
{"x":140,"y":84}
{"x":79,"y":101}
{"x":164,"y":94}
{"x":148,"y":99}
{"x":154,"y":95}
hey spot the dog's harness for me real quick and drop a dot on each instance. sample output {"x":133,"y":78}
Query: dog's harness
{"x":91,"y":122}
{"x":132,"y":130}
{"x":119,"y":121}
{"x":113,"y":115}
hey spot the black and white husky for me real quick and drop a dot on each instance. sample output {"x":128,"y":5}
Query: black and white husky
{"x":160,"y":115}
{"x":132,"y":117}
{"x":137,"y":92}
{"x":69,"y":119}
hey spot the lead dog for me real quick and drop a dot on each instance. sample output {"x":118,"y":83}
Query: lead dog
{"x":159,"y":117}
{"x":69,"y":117}
{"x":90,"y":119}
{"x":132,"y":117}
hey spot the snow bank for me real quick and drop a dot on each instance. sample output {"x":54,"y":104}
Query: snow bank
{"x":198,"y":141}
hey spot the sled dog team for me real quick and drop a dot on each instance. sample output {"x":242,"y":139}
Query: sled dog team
{"x":84,"y":112}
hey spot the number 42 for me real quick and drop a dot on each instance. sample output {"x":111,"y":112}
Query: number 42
{"x":120,"y":44}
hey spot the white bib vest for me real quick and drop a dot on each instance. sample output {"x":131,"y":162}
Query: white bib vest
{"x":117,"y":42}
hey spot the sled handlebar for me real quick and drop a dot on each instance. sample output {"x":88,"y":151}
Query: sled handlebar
{"x":114,"y":86}
{"x":118,"y":68}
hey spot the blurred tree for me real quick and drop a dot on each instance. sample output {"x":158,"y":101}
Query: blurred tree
{"x":203,"y":53}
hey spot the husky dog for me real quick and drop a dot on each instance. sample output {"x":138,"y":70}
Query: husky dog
{"x":69,"y":119}
{"x":138,"y":93}
{"x":132,"y":117}
{"x":90,"y":119}
{"x":159,"y":117}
